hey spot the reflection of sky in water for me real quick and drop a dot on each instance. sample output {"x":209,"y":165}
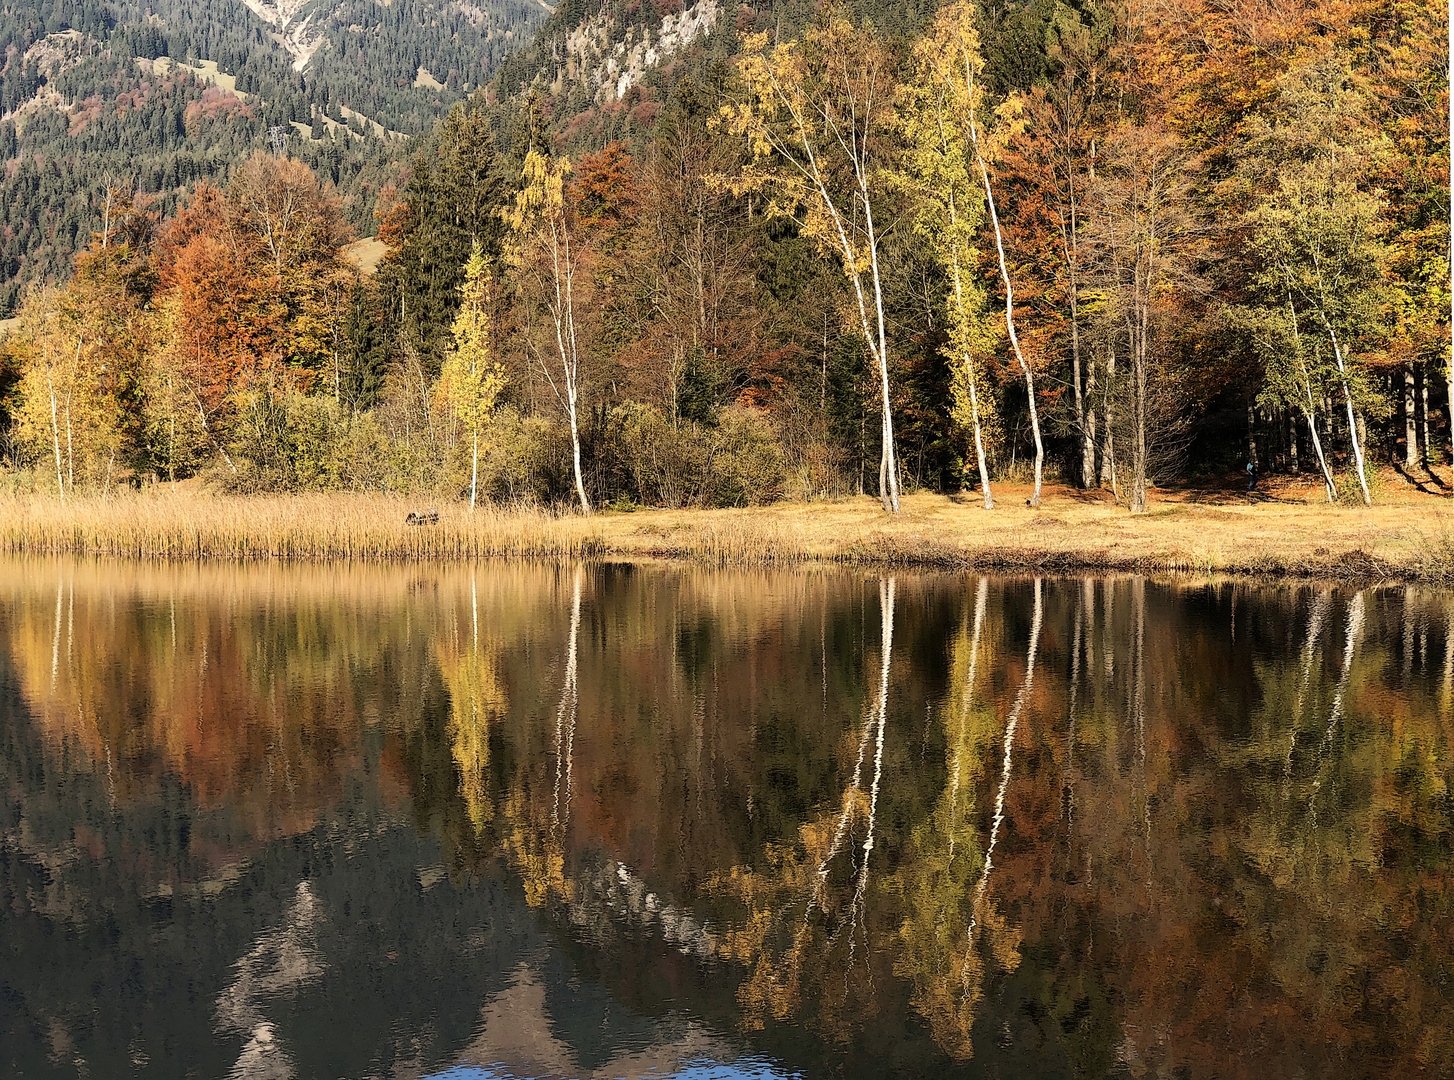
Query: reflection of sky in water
{"x":747,"y":1068}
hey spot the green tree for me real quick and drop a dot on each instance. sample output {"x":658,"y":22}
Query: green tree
{"x":453,"y":200}
{"x":1314,"y":226}
{"x":938,"y":168}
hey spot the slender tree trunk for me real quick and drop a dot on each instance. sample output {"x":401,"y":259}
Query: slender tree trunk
{"x":1252,"y":435}
{"x":1088,"y":448}
{"x":1353,"y":431}
{"x":1310,"y":408}
{"x":70,"y":447}
{"x":1010,"y":310}
{"x":474,"y":471}
{"x":1411,"y":419}
{"x":876,"y":342}
{"x":1084,"y":411}
{"x":1292,"y":456}
{"x":1138,"y":377}
{"x":56,"y":434}
{"x":1318,"y":452}
{"x":575,"y":442}
{"x":1108,"y":459}
{"x":565,"y":339}
{"x":984,"y":473}
{"x":888,"y":464}
{"x":1425,"y":446}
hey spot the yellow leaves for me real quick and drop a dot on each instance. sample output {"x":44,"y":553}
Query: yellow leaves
{"x":471,"y":672}
{"x":536,"y":853}
{"x":471,"y":378}
{"x":537,"y":218}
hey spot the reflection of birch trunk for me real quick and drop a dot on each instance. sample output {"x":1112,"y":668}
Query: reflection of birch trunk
{"x":886,"y":605}
{"x":1449,"y":662}
{"x":1315,"y":629}
{"x":1350,"y":646}
{"x":1138,"y":710}
{"x":1108,"y":651}
{"x":1410,"y":624}
{"x":565,"y":717}
{"x":999,"y":817}
{"x":1088,"y":602}
{"x":55,"y":648}
{"x":855,"y":784}
{"x":964,"y":706}
{"x":1076,"y":635}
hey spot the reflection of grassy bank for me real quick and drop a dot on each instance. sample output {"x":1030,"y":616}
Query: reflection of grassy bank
{"x":1408,"y":536}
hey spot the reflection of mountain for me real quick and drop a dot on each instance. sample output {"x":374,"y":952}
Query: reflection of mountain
{"x":380,"y":821}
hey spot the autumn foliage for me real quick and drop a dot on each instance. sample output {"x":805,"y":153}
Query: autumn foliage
{"x":1115,"y":245}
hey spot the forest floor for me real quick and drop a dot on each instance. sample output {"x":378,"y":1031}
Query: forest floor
{"x":1285,"y":528}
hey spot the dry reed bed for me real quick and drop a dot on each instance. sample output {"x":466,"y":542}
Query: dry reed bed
{"x":1408,"y":540}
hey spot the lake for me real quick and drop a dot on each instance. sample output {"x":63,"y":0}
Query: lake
{"x":649,"y":821}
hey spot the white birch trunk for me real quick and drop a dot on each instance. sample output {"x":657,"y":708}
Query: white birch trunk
{"x":1010,"y":311}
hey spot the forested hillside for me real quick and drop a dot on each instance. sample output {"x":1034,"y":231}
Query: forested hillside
{"x":706,"y":256}
{"x":155,"y":97}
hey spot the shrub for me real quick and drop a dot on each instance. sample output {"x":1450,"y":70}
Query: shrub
{"x":524,"y":459}
{"x":667,"y":463}
{"x":745,"y":465}
{"x":1346,"y":483}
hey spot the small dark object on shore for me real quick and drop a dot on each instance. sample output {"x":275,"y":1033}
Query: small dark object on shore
{"x":422,"y":517}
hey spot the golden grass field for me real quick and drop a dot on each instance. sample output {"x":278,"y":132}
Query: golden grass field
{"x":1286,"y":530}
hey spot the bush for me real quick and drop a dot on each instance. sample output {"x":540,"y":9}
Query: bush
{"x":523,"y":459}
{"x":745,"y":462}
{"x":667,"y":464}
{"x":821,"y":471}
{"x":293,"y":442}
{"x":1346,"y":483}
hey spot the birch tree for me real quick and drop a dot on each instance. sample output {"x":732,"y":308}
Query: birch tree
{"x":937,"y":106}
{"x":546,"y":252}
{"x":968,"y":67}
{"x":816,"y":114}
{"x":1314,"y":223}
{"x":471,"y":377}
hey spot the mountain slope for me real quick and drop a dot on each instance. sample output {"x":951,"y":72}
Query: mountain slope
{"x":157,"y":95}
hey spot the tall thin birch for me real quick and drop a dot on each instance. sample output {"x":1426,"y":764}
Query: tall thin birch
{"x":813,"y":115}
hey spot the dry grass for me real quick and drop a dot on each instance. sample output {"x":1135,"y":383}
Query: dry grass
{"x":1408,"y":536}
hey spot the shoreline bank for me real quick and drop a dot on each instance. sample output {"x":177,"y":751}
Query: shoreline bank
{"x":1275,"y":534}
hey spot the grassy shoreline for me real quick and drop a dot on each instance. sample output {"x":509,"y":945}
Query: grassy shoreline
{"x":1408,"y":536}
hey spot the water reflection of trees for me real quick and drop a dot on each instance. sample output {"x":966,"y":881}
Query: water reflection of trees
{"x":1159,"y":812}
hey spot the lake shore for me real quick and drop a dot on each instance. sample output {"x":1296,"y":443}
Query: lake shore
{"x":1282,"y":531}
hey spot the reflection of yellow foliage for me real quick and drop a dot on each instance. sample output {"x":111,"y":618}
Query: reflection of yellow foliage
{"x":471,"y":671}
{"x":226,"y":684}
{"x":947,"y":929}
{"x":536,"y":852}
{"x":797,"y":919}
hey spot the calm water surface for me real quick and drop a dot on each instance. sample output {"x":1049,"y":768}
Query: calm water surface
{"x":646,"y":822}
